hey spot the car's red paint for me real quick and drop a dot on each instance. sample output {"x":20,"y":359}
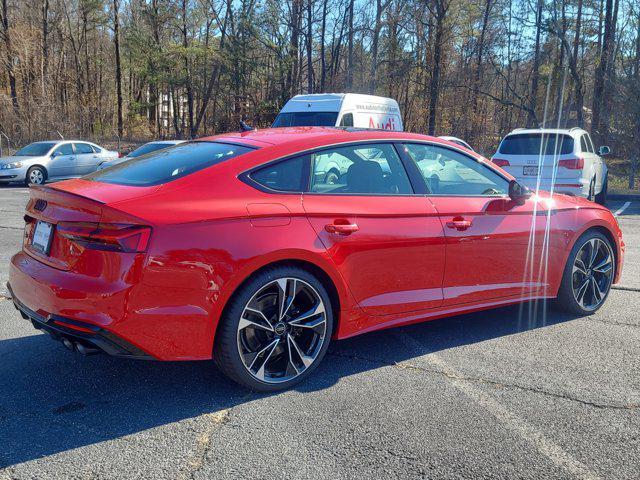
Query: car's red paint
{"x":411,"y":257}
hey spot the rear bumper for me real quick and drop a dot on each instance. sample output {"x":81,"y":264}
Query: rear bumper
{"x":81,"y":336}
{"x":570,"y":186}
{"x":164,"y":322}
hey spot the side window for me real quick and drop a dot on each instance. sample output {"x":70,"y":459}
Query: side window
{"x":284,"y":176}
{"x":359,"y":169}
{"x":448,"y":172}
{"x":347,"y":120}
{"x":590,"y":143}
{"x":66,"y":149}
{"x":83,"y":148}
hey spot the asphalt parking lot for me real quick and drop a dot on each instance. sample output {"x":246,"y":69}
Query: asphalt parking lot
{"x":495,"y":394}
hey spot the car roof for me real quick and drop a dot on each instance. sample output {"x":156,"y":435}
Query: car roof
{"x":314,"y":135}
{"x":551,"y":131}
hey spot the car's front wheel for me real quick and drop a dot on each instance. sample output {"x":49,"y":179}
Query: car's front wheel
{"x":588,"y":274}
{"x":35,"y":176}
{"x":276,"y":329}
{"x":601,"y":197}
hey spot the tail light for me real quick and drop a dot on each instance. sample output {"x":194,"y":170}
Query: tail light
{"x":572,"y":163}
{"x":113,"y":237}
{"x":500,"y":162}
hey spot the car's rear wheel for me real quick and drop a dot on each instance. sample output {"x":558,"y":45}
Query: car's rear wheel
{"x":588,"y":275}
{"x":276,"y":329}
{"x":601,"y":197}
{"x":35,"y":176}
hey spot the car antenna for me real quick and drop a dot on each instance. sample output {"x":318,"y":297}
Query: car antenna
{"x":244,"y":127}
{"x":60,"y":135}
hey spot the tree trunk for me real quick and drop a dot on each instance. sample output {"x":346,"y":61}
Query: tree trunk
{"x":116,"y":41}
{"x":9,"y":57}
{"x":323,"y":58}
{"x":533,"y":101}
{"x":434,"y":88}
{"x":349,"y":78}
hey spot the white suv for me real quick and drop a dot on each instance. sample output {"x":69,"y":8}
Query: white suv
{"x":562,"y":160}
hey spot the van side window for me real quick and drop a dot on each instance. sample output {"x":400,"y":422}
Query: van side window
{"x":347,"y":120}
{"x":590,"y":143}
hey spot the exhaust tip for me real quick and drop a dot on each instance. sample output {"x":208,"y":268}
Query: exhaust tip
{"x":85,"y":350}
{"x":68,"y":344}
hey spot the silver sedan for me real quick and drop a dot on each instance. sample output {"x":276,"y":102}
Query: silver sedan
{"x":40,"y":162}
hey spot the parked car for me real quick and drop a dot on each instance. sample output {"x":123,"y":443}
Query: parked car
{"x":458,"y":141}
{"x":340,"y":110}
{"x":230,"y":247}
{"x":559,"y":160}
{"x":41,"y":162}
{"x":142,"y":150}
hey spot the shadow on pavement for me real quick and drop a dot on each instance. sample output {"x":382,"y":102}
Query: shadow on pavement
{"x":52,"y":400}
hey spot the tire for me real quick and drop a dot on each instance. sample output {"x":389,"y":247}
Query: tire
{"x":601,"y":197}
{"x":570,"y":297}
{"x":592,"y":187}
{"x":332,"y":177}
{"x":270,"y":351}
{"x":35,"y":176}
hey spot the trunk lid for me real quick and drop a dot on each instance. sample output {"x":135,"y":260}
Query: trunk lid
{"x":63,"y":206}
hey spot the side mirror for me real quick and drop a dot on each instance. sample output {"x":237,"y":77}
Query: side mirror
{"x":604,"y":150}
{"x":518,"y":192}
{"x":56,"y":153}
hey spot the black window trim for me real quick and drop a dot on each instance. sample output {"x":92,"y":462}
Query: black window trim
{"x":306,"y":172}
{"x":417,"y":181}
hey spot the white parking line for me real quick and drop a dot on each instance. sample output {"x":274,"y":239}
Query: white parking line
{"x":621,"y":209}
{"x":517,"y":425}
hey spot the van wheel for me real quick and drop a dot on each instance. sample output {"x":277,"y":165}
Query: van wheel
{"x":35,"y":176}
{"x":275,"y":330}
{"x":601,"y":197}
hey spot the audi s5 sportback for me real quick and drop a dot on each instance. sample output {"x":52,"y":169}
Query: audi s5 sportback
{"x":232,"y":248}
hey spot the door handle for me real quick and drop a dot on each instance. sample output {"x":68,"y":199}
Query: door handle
{"x":459,"y":223}
{"x":342,"y":228}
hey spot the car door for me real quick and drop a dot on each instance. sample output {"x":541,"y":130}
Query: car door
{"x":386,"y":241}
{"x":495,"y":247}
{"x":86,"y":159}
{"x":63,"y":162}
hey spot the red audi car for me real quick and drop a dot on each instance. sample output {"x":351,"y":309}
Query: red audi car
{"x":257,"y":248}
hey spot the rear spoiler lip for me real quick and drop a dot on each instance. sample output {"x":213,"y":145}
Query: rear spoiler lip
{"x":47,"y":190}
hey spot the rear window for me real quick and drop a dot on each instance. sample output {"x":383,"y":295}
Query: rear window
{"x":163,"y":166}
{"x":536,"y":143}
{"x":306,"y":119}
{"x":148,"y":148}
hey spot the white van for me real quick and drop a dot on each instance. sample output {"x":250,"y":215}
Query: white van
{"x":340,"y":110}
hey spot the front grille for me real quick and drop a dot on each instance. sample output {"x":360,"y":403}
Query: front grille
{"x":40,"y":205}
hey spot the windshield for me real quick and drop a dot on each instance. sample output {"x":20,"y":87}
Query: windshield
{"x":148,"y":148}
{"x":35,"y":149}
{"x":536,"y":144}
{"x":166,"y":165}
{"x":306,"y":119}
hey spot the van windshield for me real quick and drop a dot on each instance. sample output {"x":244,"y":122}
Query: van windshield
{"x":306,"y":119}
{"x":536,"y":144}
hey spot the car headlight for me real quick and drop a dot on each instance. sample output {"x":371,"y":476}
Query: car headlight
{"x":8,"y":166}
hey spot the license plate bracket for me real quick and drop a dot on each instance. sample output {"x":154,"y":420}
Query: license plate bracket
{"x":42,"y":236}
